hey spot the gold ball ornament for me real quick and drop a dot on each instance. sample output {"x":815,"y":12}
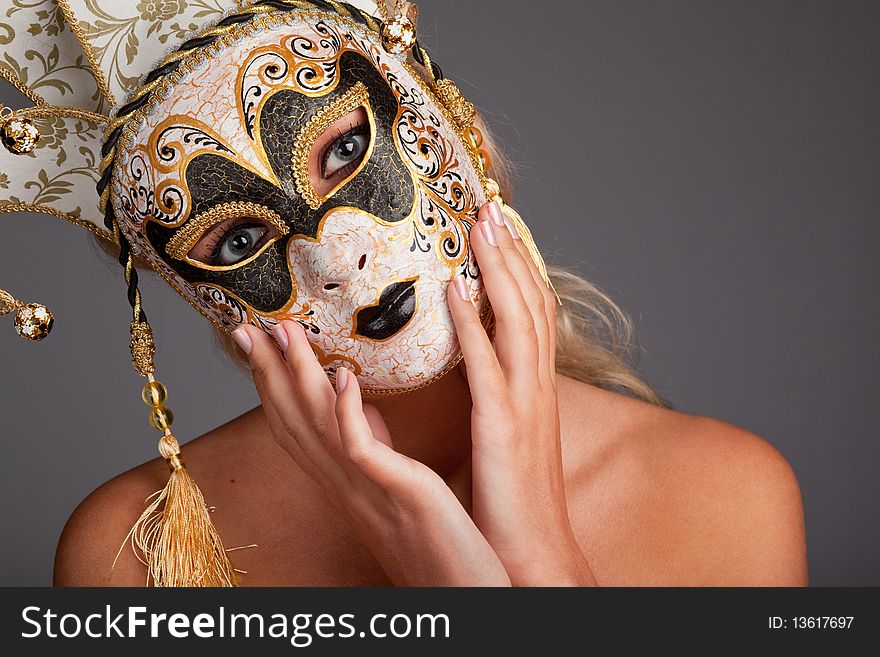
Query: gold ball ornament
{"x":154,"y":394}
{"x":33,"y":321}
{"x":160,"y":418}
{"x":398,"y":35}
{"x":19,"y":136}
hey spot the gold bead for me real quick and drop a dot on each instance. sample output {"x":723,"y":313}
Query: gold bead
{"x":19,"y":136}
{"x":154,"y":394}
{"x":161,"y":418}
{"x":475,"y":137}
{"x":33,"y":321}
{"x":485,"y":160}
{"x":398,"y":35}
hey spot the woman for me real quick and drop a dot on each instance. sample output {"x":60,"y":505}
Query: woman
{"x":502,"y":472}
{"x":538,"y":460}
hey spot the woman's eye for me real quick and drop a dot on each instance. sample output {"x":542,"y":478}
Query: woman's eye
{"x":231,"y":242}
{"x":238,"y":244}
{"x":346,"y":152}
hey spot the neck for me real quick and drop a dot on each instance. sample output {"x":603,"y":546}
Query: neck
{"x":432,"y":424}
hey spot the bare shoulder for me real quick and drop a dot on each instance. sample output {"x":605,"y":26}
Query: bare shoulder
{"x":98,"y":527}
{"x":687,"y":500}
{"x":100,"y":524}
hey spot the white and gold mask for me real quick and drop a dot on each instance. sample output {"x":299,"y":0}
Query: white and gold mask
{"x":297,"y":170}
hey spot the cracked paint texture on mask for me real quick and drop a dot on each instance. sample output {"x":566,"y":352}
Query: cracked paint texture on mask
{"x":366,"y":272}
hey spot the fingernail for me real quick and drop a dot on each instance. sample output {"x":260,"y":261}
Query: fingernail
{"x":488,"y":232}
{"x":341,"y":379}
{"x":511,"y":229}
{"x":243,"y":340}
{"x":495,"y":213}
{"x":461,"y":288}
{"x":281,"y":335}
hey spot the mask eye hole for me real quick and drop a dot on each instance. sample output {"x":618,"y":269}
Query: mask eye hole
{"x":340,"y":152}
{"x":233,"y":241}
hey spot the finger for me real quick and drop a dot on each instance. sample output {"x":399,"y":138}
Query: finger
{"x":484,"y":374}
{"x":304,"y":366}
{"x":515,"y":328}
{"x":316,"y":393}
{"x":548,"y":300}
{"x":272,"y":376}
{"x":520,"y":264}
{"x":550,"y":297}
{"x":377,"y":425}
{"x":291,"y":446}
{"x":374,"y":459}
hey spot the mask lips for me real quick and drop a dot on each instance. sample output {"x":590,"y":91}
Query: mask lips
{"x":396,"y":306}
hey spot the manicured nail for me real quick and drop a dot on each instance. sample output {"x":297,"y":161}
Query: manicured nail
{"x":495,"y":213}
{"x":341,"y":379}
{"x":243,"y":339}
{"x":488,"y":232}
{"x":461,"y":288}
{"x":511,"y":229}
{"x":281,"y":335}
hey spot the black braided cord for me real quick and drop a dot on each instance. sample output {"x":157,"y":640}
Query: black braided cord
{"x":112,"y":140}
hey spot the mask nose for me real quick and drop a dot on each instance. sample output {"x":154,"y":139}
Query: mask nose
{"x":344,"y":274}
{"x":342,"y":254}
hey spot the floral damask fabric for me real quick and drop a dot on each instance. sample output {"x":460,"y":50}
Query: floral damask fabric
{"x":128,"y":36}
{"x":40,"y":51}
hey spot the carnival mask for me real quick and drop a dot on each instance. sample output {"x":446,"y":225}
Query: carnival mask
{"x":299,"y":171}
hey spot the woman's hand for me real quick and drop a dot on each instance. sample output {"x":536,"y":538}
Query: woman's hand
{"x":518,"y":494}
{"x":402,"y":511}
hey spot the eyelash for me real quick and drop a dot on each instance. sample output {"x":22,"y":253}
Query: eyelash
{"x":360,"y":129}
{"x":219,"y":235}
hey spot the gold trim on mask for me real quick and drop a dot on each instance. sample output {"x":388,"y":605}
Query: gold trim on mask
{"x":469,"y":147}
{"x":190,"y":233}
{"x":181,"y":149}
{"x":202,"y":140}
{"x":357,"y":96}
{"x":42,"y":111}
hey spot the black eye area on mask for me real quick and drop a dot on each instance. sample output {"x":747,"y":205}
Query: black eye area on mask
{"x":378,"y":181}
{"x":335,"y":158}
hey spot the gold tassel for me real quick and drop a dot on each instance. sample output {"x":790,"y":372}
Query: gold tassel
{"x":174,"y":537}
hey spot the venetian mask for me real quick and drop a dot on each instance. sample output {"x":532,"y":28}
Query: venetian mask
{"x":296,"y":170}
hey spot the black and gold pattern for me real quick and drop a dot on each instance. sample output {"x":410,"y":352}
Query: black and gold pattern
{"x":383,"y":187}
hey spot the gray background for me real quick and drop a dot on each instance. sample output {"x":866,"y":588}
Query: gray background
{"x":713,"y":165}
